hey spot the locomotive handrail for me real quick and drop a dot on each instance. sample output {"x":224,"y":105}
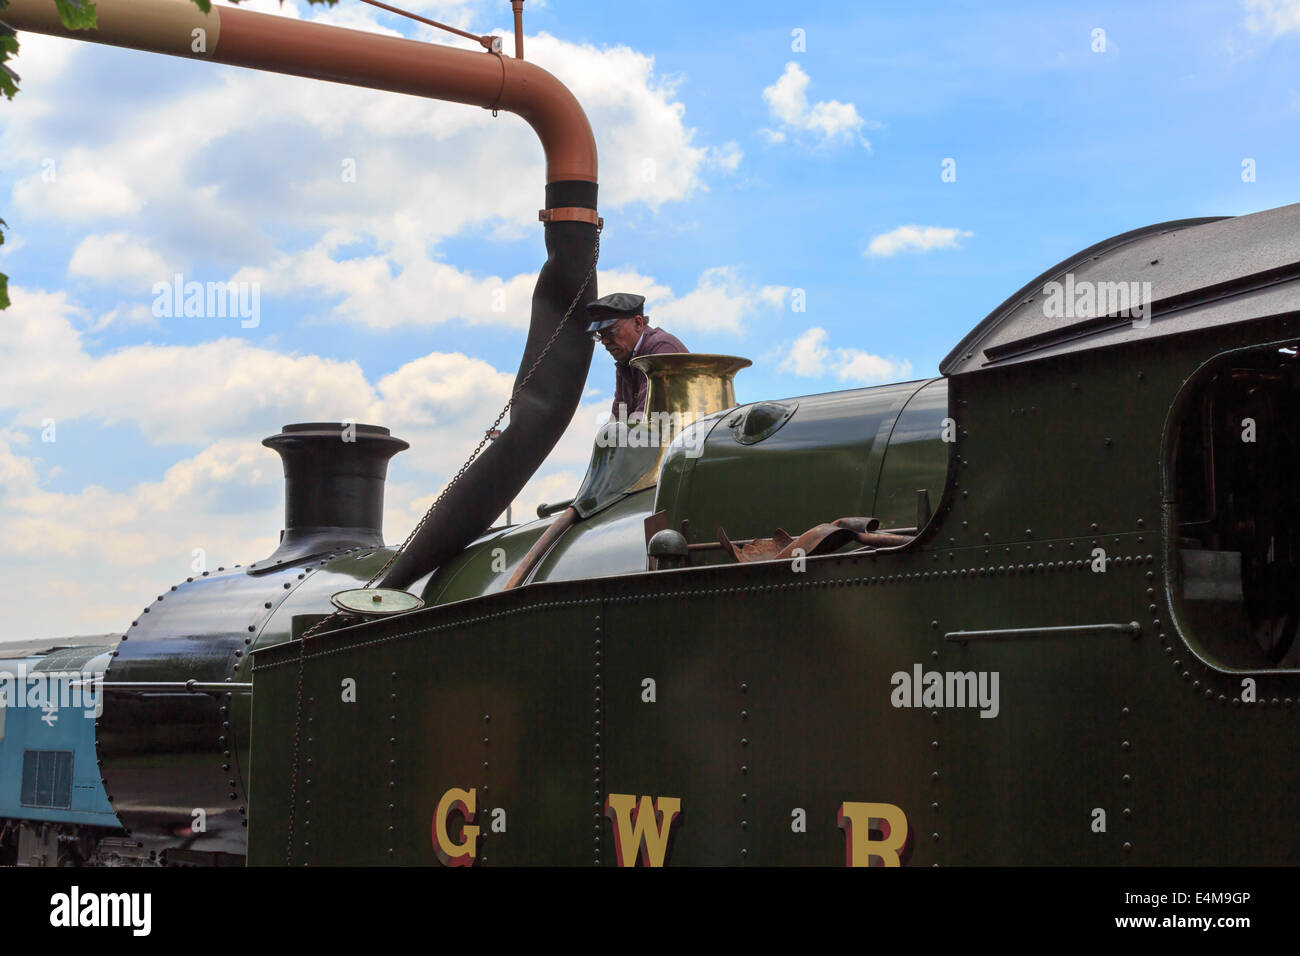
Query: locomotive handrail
{"x":1131,"y":629}
{"x":190,"y":686}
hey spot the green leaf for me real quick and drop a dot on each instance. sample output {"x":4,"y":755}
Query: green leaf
{"x":8,"y":48}
{"x":204,"y":5}
{"x":77,"y":14}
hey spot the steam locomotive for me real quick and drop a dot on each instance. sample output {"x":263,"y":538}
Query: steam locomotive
{"x":1100,"y":513}
{"x":1038,"y":610}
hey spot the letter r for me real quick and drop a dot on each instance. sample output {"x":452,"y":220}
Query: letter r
{"x":859,"y":849}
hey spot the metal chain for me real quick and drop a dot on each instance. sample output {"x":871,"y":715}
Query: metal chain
{"x":487,"y":436}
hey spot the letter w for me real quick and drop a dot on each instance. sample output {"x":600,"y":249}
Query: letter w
{"x":646,"y":827}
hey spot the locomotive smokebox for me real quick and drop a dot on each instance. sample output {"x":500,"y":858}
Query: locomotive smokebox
{"x":333,"y":486}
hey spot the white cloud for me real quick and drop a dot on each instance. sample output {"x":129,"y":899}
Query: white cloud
{"x":190,"y":394}
{"x":118,"y":259}
{"x":1272,"y":16}
{"x":124,"y":314}
{"x":228,"y":389}
{"x":810,"y":357}
{"x":404,"y":287}
{"x":83,"y":186}
{"x":727,"y":156}
{"x":721,"y":301}
{"x":916,"y":239}
{"x":440,"y":388}
{"x":401,"y":286}
{"x":829,"y":120}
{"x":126,"y":546}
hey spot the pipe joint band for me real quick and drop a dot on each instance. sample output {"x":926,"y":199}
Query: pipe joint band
{"x":571,"y":214}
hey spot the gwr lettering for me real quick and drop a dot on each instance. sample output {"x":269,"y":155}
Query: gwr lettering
{"x":875,"y":834}
{"x":642,"y":829}
{"x":449,"y":852}
{"x":860,"y":849}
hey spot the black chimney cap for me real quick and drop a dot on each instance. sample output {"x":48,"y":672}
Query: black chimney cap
{"x":337,"y":431}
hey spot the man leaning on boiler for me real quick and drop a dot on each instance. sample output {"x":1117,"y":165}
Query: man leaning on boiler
{"x":618,"y":322}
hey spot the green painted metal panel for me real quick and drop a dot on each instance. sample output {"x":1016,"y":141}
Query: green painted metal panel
{"x":608,"y":543}
{"x":915,"y":458}
{"x":485,"y":566}
{"x":819,"y":466}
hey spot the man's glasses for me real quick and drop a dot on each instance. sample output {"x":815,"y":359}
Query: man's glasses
{"x":607,"y":334}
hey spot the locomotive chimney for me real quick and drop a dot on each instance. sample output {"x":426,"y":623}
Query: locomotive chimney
{"x":333,"y":487}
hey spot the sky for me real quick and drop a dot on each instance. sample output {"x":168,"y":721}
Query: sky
{"x":838,"y":191}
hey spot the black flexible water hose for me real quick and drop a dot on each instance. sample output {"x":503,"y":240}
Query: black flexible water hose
{"x":541,"y":412}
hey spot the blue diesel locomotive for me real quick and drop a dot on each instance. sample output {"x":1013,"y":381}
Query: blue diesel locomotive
{"x":53,"y":807}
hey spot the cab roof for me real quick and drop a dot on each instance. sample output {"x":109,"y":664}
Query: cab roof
{"x":1202,"y":273}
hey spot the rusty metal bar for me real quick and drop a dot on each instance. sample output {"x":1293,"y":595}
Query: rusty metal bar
{"x":541,"y":546}
{"x":882,"y":539}
{"x":489,"y":43}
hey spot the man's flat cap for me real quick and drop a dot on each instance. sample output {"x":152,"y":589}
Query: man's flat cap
{"x":607,"y":310}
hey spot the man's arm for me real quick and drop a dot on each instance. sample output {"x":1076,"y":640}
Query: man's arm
{"x":624,"y":389}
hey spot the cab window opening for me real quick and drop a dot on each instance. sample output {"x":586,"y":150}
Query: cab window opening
{"x":1236,"y":458}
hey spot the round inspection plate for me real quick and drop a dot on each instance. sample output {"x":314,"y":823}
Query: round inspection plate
{"x":376,"y":602}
